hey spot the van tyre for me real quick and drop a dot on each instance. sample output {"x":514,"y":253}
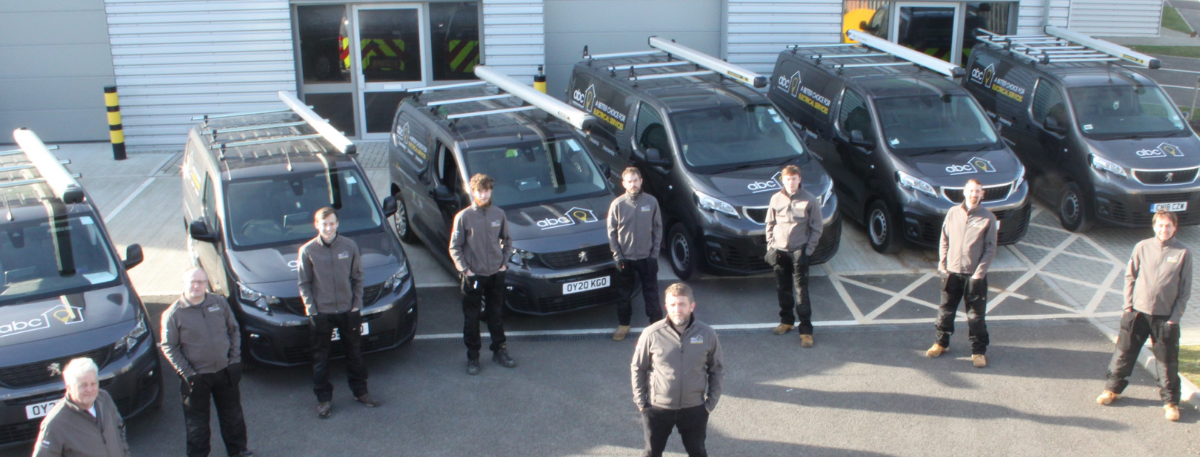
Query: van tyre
{"x":1074,"y":209}
{"x":682,"y":252}
{"x":400,"y":221}
{"x":881,"y":228}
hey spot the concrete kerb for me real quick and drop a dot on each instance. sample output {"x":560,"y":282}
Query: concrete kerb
{"x":1189,"y":393}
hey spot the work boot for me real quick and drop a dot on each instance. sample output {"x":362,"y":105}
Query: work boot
{"x":621,"y":333}
{"x":806,"y":341}
{"x":369,"y":400}
{"x":936,"y":350}
{"x":979,"y":360}
{"x":1172,"y":412}
{"x":1107,"y":398}
{"x":472,"y":367}
{"x":782,"y":328}
{"x":501,"y":357}
{"x":323,"y":409}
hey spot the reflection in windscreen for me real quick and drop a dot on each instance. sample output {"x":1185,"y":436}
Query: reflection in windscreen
{"x":933,"y":122}
{"x":731,"y":135}
{"x":1124,"y":110}
{"x":280,"y":209}
{"x":29,"y":262}
{"x":535,"y":172}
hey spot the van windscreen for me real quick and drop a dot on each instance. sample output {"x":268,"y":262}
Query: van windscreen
{"x":279,"y":209}
{"x":1124,"y":111}
{"x":30,"y":266}
{"x":536,"y":172}
{"x":718,"y":139}
{"x":933,"y":123}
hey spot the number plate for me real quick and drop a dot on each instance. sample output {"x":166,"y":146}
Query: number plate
{"x":585,"y":285}
{"x":366,"y":329}
{"x":1172,"y":207}
{"x":39,"y":410}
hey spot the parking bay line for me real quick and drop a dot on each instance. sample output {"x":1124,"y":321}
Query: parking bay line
{"x":607,"y":331}
{"x":127,"y":201}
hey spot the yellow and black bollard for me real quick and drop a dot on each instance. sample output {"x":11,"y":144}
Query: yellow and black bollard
{"x":116,"y":133}
{"x":539,"y":81}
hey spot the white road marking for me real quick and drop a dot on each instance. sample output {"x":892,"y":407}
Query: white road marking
{"x":127,"y":200}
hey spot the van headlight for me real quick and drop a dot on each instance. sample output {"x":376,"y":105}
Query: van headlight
{"x":907,"y":181}
{"x":520,"y":257}
{"x":1020,"y":178}
{"x":397,"y":279}
{"x":1107,"y":165}
{"x":709,"y":203}
{"x":826,"y":195}
{"x":260,"y":300}
{"x":130,"y":340}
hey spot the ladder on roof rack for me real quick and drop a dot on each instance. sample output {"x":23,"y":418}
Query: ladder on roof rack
{"x":53,"y":173}
{"x":887,"y":47}
{"x":512,"y":88}
{"x":671,"y":49}
{"x":1060,"y":45}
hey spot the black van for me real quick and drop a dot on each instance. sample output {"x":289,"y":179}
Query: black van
{"x":899,"y":139}
{"x":1103,"y":143}
{"x":709,"y":146}
{"x":64,"y":293}
{"x":251,"y":183}
{"x":553,"y":193}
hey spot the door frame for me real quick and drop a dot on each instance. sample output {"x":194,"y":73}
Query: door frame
{"x":361,"y":86}
{"x":960,"y":10}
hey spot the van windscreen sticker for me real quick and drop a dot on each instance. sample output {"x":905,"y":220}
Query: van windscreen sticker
{"x":587,"y":100}
{"x":795,"y":87}
{"x":1163,"y":150}
{"x":986,"y":77}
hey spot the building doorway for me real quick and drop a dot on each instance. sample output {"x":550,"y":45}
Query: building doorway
{"x":941,"y":29}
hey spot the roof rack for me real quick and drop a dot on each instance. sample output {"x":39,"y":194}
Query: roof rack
{"x":294,"y":106}
{"x":915,"y":58}
{"x":703,"y":60}
{"x":53,"y":173}
{"x":1060,"y":45}
{"x":513,"y":88}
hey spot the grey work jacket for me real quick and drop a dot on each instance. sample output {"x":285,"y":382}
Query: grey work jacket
{"x":202,"y":338}
{"x":968,"y":242}
{"x":794,"y":222}
{"x":675,"y":371}
{"x":331,"y":276}
{"x":634,"y":227}
{"x":68,"y":431}
{"x":480,"y":241}
{"x":1158,"y":279}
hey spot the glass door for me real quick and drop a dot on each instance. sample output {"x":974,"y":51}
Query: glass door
{"x":388,"y":56}
{"x":931,"y":28}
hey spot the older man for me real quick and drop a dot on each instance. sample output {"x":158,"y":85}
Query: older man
{"x":202,"y":341}
{"x":86,"y":422}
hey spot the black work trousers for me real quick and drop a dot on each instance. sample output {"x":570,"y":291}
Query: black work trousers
{"x":349,"y":328}
{"x":221,"y":390}
{"x":691,"y":422}
{"x":791,"y":280}
{"x":958,"y":287}
{"x":647,"y":271}
{"x":1164,"y":336}
{"x":481,"y":293}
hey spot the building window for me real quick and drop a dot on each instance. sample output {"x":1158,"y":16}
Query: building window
{"x":454,"y":30}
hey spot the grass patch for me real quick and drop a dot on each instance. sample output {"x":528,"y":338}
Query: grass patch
{"x":1189,"y":363}
{"x":1177,"y":51}
{"x":1171,"y":19}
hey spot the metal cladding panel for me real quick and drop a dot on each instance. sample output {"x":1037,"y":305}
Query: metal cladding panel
{"x":514,"y":40}
{"x":1031,"y":15}
{"x":1116,"y":17}
{"x":178,"y":59}
{"x":756,"y":31}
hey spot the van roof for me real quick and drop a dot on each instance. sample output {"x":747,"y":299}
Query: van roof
{"x":1073,"y":74}
{"x":877,"y":74}
{"x":494,"y":126}
{"x":26,"y":182}
{"x":681,"y":93}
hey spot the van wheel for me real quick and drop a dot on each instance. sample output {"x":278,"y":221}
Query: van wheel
{"x":1073,"y":209}
{"x":400,"y":221}
{"x":881,"y":229}
{"x":682,"y":250}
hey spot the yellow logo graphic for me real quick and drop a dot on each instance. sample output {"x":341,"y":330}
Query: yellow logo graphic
{"x":982,"y":165}
{"x":1171,"y":149}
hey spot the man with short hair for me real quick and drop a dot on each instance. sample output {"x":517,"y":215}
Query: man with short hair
{"x":480,"y":246}
{"x":635,"y":235}
{"x":331,"y":285}
{"x":86,"y":423}
{"x":677,"y":372}
{"x":966,"y":250}
{"x":203,"y":343}
{"x":1158,"y":283}
{"x":794,"y":226}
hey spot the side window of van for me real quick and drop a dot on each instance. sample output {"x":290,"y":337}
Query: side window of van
{"x":650,"y":131}
{"x":210,"y":205}
{"x":854,"y":115}
{"x":1048,"y":101}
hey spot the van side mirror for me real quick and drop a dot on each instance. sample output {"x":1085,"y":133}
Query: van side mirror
{"x":999,"y":125}
{"x":856,"y":138}
{"x":655,"y":158}
{"x":133,"y":256}
{"x":199,"y":232}
{"x":1053,"y":125}
{"x":389,"y":206}
{"x":443,"y":194}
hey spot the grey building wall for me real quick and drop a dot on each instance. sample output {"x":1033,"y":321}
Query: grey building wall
{"x":56,"y":63}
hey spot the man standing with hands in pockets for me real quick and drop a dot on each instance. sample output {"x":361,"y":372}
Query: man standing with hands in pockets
{"x":793,"y":231}
{"x":635,"y":235}
{"x":966,"y":250}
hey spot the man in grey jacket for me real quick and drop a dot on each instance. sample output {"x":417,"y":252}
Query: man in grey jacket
{"x":86,"y":423}
{"x":677,"y":372}
{"x":967,"y":248}
{"x":635,"y":235}
{"x":331,"y":285}
{"x":480,"y":246}
{"x":793,"y":232}
{"x":202,"y":342}
{"x":1158,"y":283}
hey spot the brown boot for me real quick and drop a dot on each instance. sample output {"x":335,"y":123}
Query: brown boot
{"x":1172,"y":412}
{"x":978,"y":360}
{"x":806,"y":341}
{"x":1107,"y":398}
{"x":621,"y":333}
{"x":936,"y":350}
{"x":782,"y":328}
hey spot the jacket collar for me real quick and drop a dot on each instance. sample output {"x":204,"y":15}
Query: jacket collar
{"x":331,"y":243}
